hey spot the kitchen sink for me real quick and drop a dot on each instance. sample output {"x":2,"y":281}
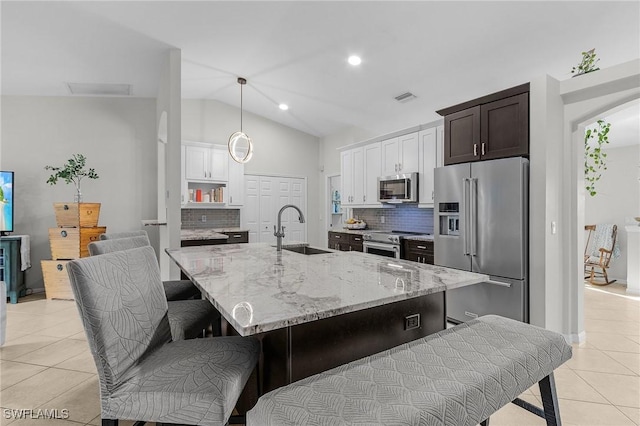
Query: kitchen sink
{"x":305,"y":250}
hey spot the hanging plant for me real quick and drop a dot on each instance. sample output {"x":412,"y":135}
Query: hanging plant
{"x":594,"y":156}
{"x":588,"y":63}
{"x":72,"y":171}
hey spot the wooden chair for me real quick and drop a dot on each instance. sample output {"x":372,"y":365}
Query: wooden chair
{"x":599,"y":257}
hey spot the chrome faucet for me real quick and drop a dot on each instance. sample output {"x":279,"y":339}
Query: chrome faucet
{"x":279,"y":231}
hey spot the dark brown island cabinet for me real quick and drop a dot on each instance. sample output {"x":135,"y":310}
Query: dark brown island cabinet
{"x":344,"y":241}
{"x":490,"y":127}
{"x":417,"y":251}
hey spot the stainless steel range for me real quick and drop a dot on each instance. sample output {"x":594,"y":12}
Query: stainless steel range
{"x":385,"y":243}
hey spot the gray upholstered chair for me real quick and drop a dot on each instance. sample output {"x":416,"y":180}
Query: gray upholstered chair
{"x":174,"y":289}
{"x":144,"y":375}
{"x":187,"y":318}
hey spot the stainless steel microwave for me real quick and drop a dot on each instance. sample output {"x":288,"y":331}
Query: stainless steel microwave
{"x":401,"y":188}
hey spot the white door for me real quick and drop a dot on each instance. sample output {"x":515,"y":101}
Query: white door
{"x":264,"y":197}
{"x":297,"y":197}
{"x":266,"y":209}
{"x":251,"y":211}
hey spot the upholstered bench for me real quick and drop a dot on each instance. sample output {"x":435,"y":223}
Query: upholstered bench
{"x":459,"y":376}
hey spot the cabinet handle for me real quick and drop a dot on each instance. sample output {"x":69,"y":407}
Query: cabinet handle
{"x":482,"y":149}
{"x":59,"y":267}
{"x":396,"y":167}
{"x":475,"y":149}
{"x":399,"y":166}
{"x":422,"y":247}
{"x":337,"y":236}
{"x":63,"y":234}
{"x":230,"y":199}
{"x":419,"y":259}
{"x":237,"y":236}
{"x":364,"y":198}
{"x":432,"y":195}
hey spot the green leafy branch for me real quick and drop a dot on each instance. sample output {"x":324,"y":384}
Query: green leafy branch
{"x":588,"y":63}
{"x":594,"y":156}
{"x":73,"y":171}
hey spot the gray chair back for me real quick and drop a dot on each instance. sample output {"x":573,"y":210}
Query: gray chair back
{"x":109,"y":246}
{"x":128,"y":234}
{"x":123,"y":309}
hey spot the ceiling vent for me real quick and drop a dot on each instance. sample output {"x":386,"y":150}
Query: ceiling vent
{"x":100,"y":89}
{"x":405,"y":97}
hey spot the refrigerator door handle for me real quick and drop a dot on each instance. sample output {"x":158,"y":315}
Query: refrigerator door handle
{"x":500,"y":283}
{"x":465,"y":200}
{"x":473,"y":209}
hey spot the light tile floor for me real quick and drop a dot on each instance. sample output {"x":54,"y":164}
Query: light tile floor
{"x":45,"y":364}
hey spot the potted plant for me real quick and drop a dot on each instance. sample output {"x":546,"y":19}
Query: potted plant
{"x":78,"y":214}
{"x":588,"y":63}
{"x":73,"y":171}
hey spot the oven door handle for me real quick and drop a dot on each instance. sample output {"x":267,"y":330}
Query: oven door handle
{"x":382,"y":246}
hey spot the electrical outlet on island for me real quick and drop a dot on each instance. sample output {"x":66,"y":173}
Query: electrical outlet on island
{"x":203,"y":218}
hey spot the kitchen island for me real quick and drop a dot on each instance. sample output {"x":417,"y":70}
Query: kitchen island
{"x":314,"y":312}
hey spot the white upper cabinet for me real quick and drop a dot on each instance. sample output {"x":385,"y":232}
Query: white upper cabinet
{"x":431,"y":156}
{"x":346,"y":170}
{"x":358,"y":176}
{"x":427,"y":160}
{"x":372,"y":171}
{"x":360,"y":169}
{"x":400,"y":155}
{"x":206,"y":163}
{"x":235,"y":192}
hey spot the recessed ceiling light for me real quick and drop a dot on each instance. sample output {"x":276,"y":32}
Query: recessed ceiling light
{"x":354,"y":60}
{"x":283,"y":107}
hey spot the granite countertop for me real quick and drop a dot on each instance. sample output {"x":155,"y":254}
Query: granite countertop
{"x":208,"y":233}
{"x":422,"y":237}
{"x":257,"y":290}
{"x":425,"y":237}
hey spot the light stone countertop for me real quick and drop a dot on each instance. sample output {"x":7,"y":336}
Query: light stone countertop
{"x":425,"y":237}
{"x":256,"y":290}
{"x":201,"y":234}
{"x":207,"y":233}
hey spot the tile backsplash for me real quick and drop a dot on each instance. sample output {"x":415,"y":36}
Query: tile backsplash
{"x":215,"y":218}
{"x":404,"y":217}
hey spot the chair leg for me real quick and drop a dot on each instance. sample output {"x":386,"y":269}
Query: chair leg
{"x":109,"y":422}
{"x":485,"y":423}
{"x":550,"y":400}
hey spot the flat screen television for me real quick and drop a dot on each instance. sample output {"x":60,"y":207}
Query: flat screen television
{"x":6,"y":202}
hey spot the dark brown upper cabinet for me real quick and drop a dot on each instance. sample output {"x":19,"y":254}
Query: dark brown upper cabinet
{"x":494,"y":126}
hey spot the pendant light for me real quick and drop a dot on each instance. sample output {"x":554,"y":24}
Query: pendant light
{"x":240,"y":145}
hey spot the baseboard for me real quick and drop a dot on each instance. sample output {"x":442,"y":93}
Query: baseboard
{"x":575,"y":337}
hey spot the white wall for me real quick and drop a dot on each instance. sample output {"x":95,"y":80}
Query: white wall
{"x":116,"y":135}
{"x":278,"y":150}
{"x":618,"y":197}
{"x":169,"y":101}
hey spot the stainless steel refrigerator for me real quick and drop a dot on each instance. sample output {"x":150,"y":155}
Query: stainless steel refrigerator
{"x":481,"y":224}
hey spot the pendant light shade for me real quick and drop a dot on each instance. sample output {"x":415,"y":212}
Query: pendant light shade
{"x":240,"y":145}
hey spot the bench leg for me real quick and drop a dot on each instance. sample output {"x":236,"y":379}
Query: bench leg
{"x":550,"y":400}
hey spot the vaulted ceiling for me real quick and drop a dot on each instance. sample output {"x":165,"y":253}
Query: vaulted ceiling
{"x":295,"y":52}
